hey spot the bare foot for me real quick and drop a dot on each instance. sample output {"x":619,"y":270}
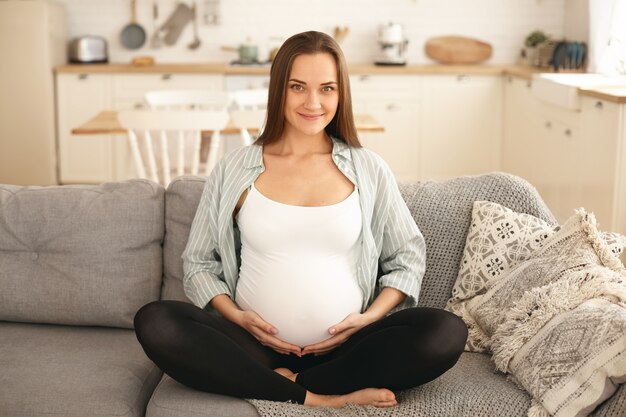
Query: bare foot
{"x":286,"y":373}
{"x":379,"y":397}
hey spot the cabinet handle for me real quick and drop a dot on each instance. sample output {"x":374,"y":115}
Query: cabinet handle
{"x":568,"y":132}
{"x":166,"y":77}
{"x":83,"y":76}
{"x":529,"y":84}
{"x":392,"y":107}
{"x":139,"y":106}
{"x":548,"y":125}
{"x":509,"y":79}
{"x":364,"y":78}
{"x":463,"y":78}
{"x":599,"y":105}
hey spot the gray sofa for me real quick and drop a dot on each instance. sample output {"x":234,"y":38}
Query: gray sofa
{"x":76,"y":262}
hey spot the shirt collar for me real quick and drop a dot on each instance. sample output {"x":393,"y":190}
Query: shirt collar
{"x":254,"y":157}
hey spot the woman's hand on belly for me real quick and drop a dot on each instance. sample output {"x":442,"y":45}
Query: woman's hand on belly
{"x":264,"y":332}
{"x":340,"y":333}
{"x":386,"y":300}
{"x":253,"y":323}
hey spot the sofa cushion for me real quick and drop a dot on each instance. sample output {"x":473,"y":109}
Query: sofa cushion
{"x":82,"y":255}
{"x":181,"y":201}
{"x":73,"y":371}
{"x":497,"y":241}
{"x":470,"y":388}
{"x":443,"y":212}
{"x":171,"y":399}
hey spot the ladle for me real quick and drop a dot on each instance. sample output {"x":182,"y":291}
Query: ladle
{"x":195,"y":44}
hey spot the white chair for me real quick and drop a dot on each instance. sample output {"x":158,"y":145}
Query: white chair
{"x":172,"y":125}
{"x":252,"y":99}
{"x":246,"y":120}
{"x":192,"y":99}
{"x":187,"y":100}
{"x":254,"y":102}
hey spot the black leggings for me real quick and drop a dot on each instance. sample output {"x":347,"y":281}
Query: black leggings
{"x":209,"y":353}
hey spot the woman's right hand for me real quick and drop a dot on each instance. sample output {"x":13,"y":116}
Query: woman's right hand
{"x":254,"y":324}
{"x":265,"y":333}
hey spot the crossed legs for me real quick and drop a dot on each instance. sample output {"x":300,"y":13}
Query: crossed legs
{"x":207,"y":352}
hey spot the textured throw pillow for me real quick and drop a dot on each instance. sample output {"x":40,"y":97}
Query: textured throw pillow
{"x":565,"y":343}
{"x":498,"y":239}
{"x":557,"y":321}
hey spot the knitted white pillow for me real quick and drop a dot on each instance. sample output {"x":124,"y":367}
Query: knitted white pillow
{"x":564,"y":342}
{"x":498,"y":239}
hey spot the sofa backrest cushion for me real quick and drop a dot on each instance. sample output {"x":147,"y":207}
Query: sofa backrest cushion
{"x":441,"y":209}
{"x":80,"y":255}
{"x":443,"y":212}
{"x":181,"y":201}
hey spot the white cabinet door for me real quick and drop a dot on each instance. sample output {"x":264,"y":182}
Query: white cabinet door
{"x":460,"y":125}
{"x":519,"y":139}
{"x":599,"y":161}
{"x":394,"y":102}
{"x":83,"y":158}
{"x":132,"y":87}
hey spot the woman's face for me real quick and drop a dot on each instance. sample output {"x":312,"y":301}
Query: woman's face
{"x":312,"y":94}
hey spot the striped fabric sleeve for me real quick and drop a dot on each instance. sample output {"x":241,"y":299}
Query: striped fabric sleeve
{"x":403,"y":252}
{"x":203,"y":270}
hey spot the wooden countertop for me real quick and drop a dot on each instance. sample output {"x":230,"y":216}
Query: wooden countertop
{"x":614,"y":94}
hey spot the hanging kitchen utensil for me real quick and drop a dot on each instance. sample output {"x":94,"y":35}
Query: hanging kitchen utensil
{"x":133,"y":36}
{"x":559,"y":56}
{"x":176,"y":23}
{"x":156,"y":41}
{"x":196,"y":40}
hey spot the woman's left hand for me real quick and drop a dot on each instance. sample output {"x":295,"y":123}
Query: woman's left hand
{"x":340,"y":333}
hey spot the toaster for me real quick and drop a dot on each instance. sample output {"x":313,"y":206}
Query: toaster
{"x":88,"y":50}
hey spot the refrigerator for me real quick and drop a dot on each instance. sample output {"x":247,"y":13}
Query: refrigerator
{"x":32,"y":43}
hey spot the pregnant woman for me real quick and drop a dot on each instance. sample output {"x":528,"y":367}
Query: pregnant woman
{"x":303,"y":262}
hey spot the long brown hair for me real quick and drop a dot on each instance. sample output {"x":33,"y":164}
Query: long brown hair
{"x":342,"y":126}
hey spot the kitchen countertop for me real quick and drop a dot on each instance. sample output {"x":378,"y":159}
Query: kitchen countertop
{"x":614,"y":94}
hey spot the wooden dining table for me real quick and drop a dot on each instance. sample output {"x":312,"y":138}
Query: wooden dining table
{"x":106,"y":122}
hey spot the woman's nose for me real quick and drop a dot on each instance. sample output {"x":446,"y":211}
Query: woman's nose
{"x":312,"y":101}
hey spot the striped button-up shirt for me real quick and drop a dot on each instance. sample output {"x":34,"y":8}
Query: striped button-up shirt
{"x":392,"y":249}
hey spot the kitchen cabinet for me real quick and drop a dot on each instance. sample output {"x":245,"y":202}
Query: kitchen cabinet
{"x":557,"y":161}
{"x":395,"y":102}
{"x":519,"y":138}
{"x":460,"y":125}
{"x":575,"y":158}
{"x":600,"y":172}
{"x":86,"y":158}
{"x":99,"y":158}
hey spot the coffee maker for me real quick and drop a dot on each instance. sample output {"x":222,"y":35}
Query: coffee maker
{"x":392,"y":43}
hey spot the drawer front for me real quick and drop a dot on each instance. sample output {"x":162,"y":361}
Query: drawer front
{"x":388,"y":86}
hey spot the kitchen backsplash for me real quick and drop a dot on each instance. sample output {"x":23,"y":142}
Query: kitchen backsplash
{"x":502,"y":23}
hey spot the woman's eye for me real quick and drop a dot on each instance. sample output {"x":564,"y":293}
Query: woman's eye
{"x":328,"y":88}
{"x":296,"y":87}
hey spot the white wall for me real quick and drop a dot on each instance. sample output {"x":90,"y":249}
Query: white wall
{"x":503,"y":23}
{"x":577,"y":20}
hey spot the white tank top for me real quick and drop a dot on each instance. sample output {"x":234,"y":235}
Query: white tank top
{"x":298,"y":265}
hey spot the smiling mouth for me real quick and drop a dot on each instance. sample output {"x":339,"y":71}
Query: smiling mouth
{"x":311,"y":116}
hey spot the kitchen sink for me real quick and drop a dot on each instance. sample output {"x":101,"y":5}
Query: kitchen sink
{"x":562,"y":89}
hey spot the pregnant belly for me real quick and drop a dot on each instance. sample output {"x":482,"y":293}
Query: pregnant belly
{"x":302,"y":306}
